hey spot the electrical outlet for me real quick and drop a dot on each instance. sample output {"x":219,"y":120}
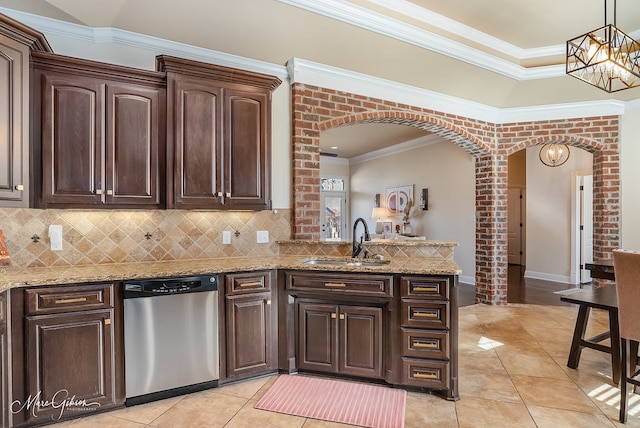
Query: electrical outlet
{"x":55,"y":236}
{"x":262,"y":236}
{"x":226,"y":237}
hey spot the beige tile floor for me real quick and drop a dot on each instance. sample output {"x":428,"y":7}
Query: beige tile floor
{"x":513,"y":373}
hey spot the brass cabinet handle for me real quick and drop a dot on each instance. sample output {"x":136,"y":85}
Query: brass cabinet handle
{"x":335,"y":284}
{"x":251,"y":284}
{"x":333,"y":315}
{"x":428,"y":345}
{"x":98,"y":191}
{"x":109,"y":192}
{"x":341,"y":316}
{"x":71,"y":300}
{"x":19,"y":187}
{"x":268,"y":302}
{"x":228,"y":194}
{"x":432,"y":289}
{"x":219,"y":194}
{"x":425,"y":314}
{"x":107,"y":321}
{"x":425,"y":375}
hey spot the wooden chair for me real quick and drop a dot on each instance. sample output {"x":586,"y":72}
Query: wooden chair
{"x":627,"y":270}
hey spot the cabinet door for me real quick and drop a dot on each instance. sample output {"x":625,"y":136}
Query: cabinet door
{"x":133,"y":148}
{"x":246,"y":151}
{"x":4,"y":361}
{"x":14,"y":129}
{"x":197,"y":136}
{"x":360,"y":341}
{"x":250,"y":334}
{"x":72,"y":139}
{"x":69,"y":355}
{"x":318,"y":337}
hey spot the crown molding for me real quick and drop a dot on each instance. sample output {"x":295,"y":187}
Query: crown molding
{"x":154,"y":44}
{"x":397,"y":148}
{"x":312,"y":73}
{"x":379,"y":23}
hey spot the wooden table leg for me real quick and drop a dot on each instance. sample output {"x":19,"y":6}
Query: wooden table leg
{"x":614,"y":328}
{"x":578,"y":335}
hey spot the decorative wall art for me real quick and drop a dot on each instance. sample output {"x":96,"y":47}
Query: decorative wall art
{"x":396,"y":198}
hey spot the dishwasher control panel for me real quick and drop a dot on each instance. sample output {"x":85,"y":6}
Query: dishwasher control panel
{"x":168,"y":286}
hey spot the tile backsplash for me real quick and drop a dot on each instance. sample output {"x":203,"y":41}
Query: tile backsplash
{"x":95,"y":237}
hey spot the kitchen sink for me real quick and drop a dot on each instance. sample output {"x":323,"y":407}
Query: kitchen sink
{"x":346,"y":262}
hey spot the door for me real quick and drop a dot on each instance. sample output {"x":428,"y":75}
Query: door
{"x":133,"y":151}
{"x":360,"y":344}
{"x":72,"y":139}
{"x":586,"y":226}
{"x":317,"y":337}
{"x":246,"y":170}
{"x":249,"y":334}
{"x":68,"y":355}
{"x":515,"y":226}
{"x":332,"y":215}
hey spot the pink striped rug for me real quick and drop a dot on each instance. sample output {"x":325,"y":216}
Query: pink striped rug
{"x":337,"y":401}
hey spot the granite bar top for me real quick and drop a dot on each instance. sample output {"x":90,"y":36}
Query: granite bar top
{"x":400,"y":241}
{"x":12,"y":277}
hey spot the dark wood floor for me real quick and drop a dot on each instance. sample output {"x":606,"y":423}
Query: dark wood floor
{"x":521,"y":290}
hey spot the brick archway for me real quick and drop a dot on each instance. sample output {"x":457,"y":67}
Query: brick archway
{"x":317,"y":109}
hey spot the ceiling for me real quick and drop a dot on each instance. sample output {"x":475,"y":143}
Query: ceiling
{"x":500,"y":53}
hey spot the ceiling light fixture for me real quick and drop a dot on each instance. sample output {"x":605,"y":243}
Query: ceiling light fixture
{"x":554,"y":154}
{"x":606,"y":58}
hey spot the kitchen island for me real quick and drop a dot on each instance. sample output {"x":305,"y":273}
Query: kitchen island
{"x":392,"y":322}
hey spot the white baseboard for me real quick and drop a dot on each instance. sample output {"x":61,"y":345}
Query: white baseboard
{"x":467,"y":280}
{"x":547,"y":277}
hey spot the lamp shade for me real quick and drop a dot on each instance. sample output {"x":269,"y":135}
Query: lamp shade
{"x":379,"y":212}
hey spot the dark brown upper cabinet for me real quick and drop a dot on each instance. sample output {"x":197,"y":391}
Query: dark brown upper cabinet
{"x":218,"y":136}
{"x":101,"y":133}
{"x":16,"y":43}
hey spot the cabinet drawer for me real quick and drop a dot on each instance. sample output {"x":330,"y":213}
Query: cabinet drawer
{"x":420,"y":287}
{"x":249,"y":282}
{"x":425,"y":314}
{"x":425,"y":343}
{"x":357,"y":284}
{"x":47,"y":300}
{"x":425,"y":373}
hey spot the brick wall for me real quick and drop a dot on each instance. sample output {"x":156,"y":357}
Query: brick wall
{"x":317,"y":109}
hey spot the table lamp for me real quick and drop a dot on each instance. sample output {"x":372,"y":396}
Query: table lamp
{"x":378,"y":213}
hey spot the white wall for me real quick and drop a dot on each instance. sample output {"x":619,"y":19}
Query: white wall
{"x":548,"y":228}
{"x":449,"y":174}
{"x":630,"y":177}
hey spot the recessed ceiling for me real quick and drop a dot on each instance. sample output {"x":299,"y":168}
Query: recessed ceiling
{"x":442,"y":46}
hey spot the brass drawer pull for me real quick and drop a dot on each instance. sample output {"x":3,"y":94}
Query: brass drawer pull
{"x":333,"y":316}
{"x":425,"y":314}
{"x":107,"y":321}
{"x":341,"y":316}
{"x":432,"y":289}
{"x":109,"y":192}
{"x":428,"y":345}
{"x":425,"y":375}
{"x":72,"y":300}
{"x":251,"y":284}
{"x":268,"y":302}
{"x":19,"y":187}
{"x":335,"y":284}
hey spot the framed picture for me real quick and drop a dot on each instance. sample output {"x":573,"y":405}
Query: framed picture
{"x":396,"y":198}
{"x":387,"y":227}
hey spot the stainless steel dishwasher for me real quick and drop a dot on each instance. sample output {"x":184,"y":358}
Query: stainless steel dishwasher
{"x":171,"y":337}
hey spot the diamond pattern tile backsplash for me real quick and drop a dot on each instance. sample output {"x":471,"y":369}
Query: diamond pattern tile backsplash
{"x":94,"y":237}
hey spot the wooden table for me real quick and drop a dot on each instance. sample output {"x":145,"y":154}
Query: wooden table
{"x":601,"y":298}
{"x":602,"y":269}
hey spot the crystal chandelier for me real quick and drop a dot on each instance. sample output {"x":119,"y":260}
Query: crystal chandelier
{"x":606,"y":58}
{"x":554,"y":154}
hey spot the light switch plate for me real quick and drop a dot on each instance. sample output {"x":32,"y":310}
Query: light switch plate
{"x":55,"y":236}
{"x":226,"y":237}
{"x":262,"y":236}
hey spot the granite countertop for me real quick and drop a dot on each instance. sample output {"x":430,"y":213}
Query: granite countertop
{"x":400,"y":241}
{"x":12,"y":277}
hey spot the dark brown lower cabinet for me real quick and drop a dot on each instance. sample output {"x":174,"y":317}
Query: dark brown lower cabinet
{"x":70,"y":362}
{"x":251,"y":324}
{"x":4,"y":361}
{"x":340,"y":339}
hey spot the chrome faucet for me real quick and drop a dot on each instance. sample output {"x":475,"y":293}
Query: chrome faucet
{"x":356,"y":247}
